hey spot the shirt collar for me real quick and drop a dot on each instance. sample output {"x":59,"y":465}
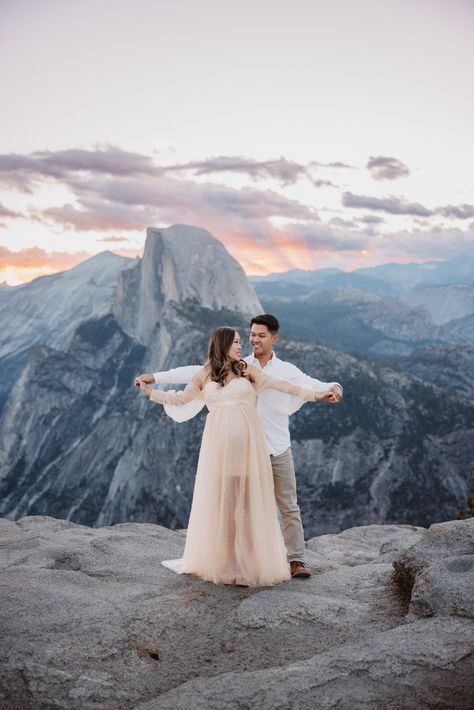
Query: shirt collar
{"x":273,"y":360}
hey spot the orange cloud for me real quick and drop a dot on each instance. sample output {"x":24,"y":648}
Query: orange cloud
{"x":21,"y":266}
{"x":269,"y":252}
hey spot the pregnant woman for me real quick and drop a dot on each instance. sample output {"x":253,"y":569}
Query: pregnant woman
{"x":233,"y":534}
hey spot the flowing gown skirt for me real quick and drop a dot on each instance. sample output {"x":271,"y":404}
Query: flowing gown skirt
{"x":233,"y":535}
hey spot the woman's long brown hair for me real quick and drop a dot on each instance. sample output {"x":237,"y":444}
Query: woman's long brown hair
{"x":218,"y":361}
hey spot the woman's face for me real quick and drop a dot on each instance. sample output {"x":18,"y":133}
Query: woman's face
{"x":236,"y":348}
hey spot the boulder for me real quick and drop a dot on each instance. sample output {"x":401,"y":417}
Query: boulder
{"x":437,"y":572}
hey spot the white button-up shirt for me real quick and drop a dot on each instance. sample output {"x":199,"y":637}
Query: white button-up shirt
{"x":274,"y":407}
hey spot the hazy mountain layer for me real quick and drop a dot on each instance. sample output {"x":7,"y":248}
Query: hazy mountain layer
{"x":443,"y":303}
{"x":369,"y":324}
{"x":390,"y":280}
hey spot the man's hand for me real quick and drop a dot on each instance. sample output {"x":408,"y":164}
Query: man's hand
{"x":147,"y":379}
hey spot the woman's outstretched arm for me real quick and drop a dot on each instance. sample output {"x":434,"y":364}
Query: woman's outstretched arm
{"x":190,"y":392}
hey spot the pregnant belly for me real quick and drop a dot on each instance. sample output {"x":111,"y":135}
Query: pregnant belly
{"x":230,"y":430}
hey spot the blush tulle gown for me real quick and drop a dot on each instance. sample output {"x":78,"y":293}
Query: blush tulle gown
{"x":233,"y":534}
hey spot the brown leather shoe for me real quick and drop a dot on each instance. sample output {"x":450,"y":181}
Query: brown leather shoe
{"x":299,"y":569}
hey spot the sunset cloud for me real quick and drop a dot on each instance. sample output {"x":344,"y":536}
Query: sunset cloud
{"x":114,"y":239}
{"x":96,"y":215}
{"x":122,"y":190}
{"x":115,"y":194}
{"x":36,"y":258}
{"x":457,"y":211}
{"x":22,"y":172}
{"x":371,"y":219}
{"x":391,"y":204}
{"x":383,"y":168}
{"x":338,"y":165}
{"x":105,"y":204}
{"x":323,"y":236}
{"x":285,"y":171}
{"x":5,"y":212}
{"x":323,"y":183}
{"x":419,"y":244}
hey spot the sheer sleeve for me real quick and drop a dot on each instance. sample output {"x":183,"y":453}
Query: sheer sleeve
{"x":262,"y":382}
{"x":190,"y":392}
{"x":182,"y":405}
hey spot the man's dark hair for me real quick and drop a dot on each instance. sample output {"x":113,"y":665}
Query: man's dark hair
{"x":266,"y":319}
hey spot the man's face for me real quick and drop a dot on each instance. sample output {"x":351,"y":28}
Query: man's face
{"x":261,"y":340}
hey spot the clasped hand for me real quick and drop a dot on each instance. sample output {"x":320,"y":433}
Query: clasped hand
{"x":333,"y":394}
{"x":141,"y":383}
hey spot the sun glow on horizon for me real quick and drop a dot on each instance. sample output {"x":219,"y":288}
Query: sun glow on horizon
{"x":19,"y":276}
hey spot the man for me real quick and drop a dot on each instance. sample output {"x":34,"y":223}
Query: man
{"x":274,"y":409}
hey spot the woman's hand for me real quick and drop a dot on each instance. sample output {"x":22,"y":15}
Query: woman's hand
{"x":144,"y":389}
{"x":148,"y":379}
{"x":333,"y":394}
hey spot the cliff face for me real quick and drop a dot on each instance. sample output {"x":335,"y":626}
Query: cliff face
{"x":48,"y":310}
{"x":91,"y":619}
{"x":182,"y":266}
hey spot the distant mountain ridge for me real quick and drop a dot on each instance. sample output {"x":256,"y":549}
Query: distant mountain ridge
{"x":389,"y":279}
{"x":384,"y":312}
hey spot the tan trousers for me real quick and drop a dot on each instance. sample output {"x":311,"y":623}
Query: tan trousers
{"x":284,"y":482}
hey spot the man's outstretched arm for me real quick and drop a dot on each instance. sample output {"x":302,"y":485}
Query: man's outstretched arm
{"x":176,"y":376}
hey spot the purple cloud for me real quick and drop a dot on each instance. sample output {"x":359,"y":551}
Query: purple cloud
{"x":457,"y":211}
{"x":391,"y":204}
{"x":383,"y":168}
{"x":5,"y":212}
{"x":286,"y":171}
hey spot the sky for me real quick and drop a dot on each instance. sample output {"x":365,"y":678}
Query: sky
{"x":301,"y":134}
